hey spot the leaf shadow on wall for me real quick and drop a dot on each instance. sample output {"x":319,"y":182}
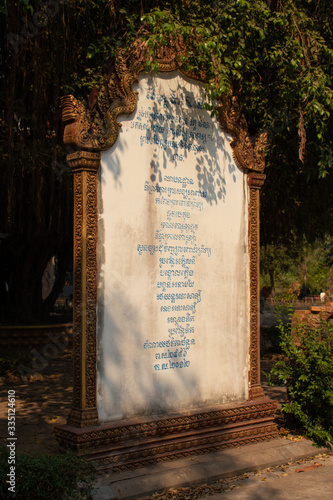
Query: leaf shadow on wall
{"x":181,"y":129}
{"x":173,"y":123}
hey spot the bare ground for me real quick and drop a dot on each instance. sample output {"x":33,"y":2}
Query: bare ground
{"x":46,"y":399}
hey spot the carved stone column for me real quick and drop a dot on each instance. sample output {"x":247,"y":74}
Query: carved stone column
{"x":84,"y":166}
{"x":255,"y":180}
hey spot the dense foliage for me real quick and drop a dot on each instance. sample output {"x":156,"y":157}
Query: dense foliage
{"x":302,"y":264}
{"x":46,"y":476}
{"x":276,"y":55}
{"x":308,"y":376}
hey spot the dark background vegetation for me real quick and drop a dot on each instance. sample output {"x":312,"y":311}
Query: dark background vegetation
{"x":277,"y":57}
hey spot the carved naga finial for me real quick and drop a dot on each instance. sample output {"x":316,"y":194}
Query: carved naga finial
{"x":77,"y":122}
{"x":97,"y":129}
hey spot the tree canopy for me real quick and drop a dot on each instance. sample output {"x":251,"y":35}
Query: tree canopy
{"x":277,"y":58}
{"x":276,"y":55}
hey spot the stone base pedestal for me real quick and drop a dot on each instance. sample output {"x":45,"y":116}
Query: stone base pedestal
{"x":122,"y":445}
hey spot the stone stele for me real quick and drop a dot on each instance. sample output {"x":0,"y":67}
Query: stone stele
{"x":166,"y":246}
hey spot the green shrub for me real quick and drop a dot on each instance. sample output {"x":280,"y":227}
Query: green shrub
{"x":51,"y":477}
{"x":308,"y":376}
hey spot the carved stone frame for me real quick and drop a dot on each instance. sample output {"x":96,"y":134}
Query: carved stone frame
{"x":88,"y":131}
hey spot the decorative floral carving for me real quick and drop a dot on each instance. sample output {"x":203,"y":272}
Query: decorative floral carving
{"x":249,"y":152}
{"x":174,"y":437}
{"x":85,"y":165}
{"x":256,"y":180}
{"x":77,"y":266}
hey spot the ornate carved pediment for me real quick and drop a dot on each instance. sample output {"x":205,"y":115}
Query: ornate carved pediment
{"x":95,"y":128}
{"x":249,"y":152}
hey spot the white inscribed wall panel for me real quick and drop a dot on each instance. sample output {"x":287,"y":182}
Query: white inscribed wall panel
{"x":173,"y":267}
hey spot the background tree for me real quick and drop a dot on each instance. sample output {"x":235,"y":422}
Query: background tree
{"x":303,"y":263}
{"x":275,"y":55}
{"x":274,"y":262}
{"x":47,"y":51}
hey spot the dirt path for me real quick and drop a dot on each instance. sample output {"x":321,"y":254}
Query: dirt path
{"x":40,"y":405}
{"x":46,"y":401}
